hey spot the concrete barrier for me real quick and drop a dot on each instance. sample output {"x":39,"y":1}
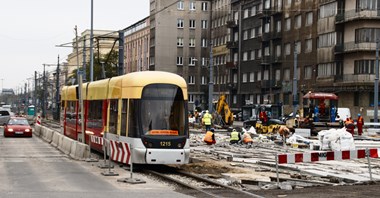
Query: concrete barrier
{"x":47,"y":135}
{"x":56,"y":138}
{"x":37,"y":130}
{"x":65,"y":145}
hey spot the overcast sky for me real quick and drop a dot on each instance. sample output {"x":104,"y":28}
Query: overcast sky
{"x":31,"y":29}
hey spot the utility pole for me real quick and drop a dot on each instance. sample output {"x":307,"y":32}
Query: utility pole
{"x":295,"y":99}
{"x":91,"y":43}
{"x":57,"y":103}
{"x":121,"y":53}
{"x":84,"y":59}
{"x":211,"y":82}
{"x":376,"y":97}
{"x":79,"y":77}
{"x":44,"y":99}
{"x":35,"y":93}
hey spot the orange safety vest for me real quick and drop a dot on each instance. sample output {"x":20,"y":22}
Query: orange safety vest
{"x":208,"y":137}
{"x":360,"y":121}
{"x":247,"y":139}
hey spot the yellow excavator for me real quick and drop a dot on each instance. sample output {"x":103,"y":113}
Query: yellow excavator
{"x":224,"y":111}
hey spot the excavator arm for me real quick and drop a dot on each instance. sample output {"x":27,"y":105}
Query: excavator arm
{"x":224,"y":110}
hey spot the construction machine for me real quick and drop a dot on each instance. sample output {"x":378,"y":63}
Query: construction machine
{"x":223,"y":110}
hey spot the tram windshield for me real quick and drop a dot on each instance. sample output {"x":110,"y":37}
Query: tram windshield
{"x":163,"y":111}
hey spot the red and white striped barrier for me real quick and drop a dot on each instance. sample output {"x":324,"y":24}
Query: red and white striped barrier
{"x":120,"y":152}
{"x":292,"y":158}
{"x":38,"y":120}
{"x":97,"y":140}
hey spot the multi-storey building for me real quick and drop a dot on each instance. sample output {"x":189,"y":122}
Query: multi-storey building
{"x":136,"y":39}
{"x":179,"y":43}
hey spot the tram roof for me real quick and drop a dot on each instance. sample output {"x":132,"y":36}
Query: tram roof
{"x":96,"y":90}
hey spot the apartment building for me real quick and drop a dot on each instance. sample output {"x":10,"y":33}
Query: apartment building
{"x":179,"y":43}
{"x":136,"y":49}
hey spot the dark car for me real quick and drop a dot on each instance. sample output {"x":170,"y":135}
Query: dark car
{"x":253,"y":120}
{"x":17,"y":126}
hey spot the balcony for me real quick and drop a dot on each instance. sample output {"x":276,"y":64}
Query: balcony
{"x":232,"y":24}
{"x":352,"y":15}
{"x":266,"y":60}
{"x":354,"y":47}
{"x":231,"y":65}
{"x":232,"y":44}
{"x":265,"y":84}
{"x":355,"y":78}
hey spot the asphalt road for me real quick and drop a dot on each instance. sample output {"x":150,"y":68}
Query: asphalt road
{"x":30,"y":167}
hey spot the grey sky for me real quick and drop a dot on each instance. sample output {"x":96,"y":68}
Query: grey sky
{"x":31,"y":29}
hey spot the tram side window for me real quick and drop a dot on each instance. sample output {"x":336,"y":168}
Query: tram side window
{"x":133,"y":127}
{"x":114,"y":107}
{"x":95,"y":114}
{"x":124,"y":111}
{"x":70,"y":112}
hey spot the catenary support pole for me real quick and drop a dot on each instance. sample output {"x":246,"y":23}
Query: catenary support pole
{"x":376,"y":86}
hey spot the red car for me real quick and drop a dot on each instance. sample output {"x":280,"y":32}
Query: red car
{"x":17,"y":126}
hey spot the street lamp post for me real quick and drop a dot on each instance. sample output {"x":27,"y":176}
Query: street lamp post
{"x":211,"y":82}
{"x":295,"y":99}
{"x":376,"y":86}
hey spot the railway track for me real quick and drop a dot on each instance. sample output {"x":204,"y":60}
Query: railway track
{"x":198,"y":186}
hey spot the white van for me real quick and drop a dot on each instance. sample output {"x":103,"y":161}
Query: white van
{"x":343,"y":113}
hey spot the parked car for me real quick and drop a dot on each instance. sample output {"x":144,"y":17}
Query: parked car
{"x":4,"y":116}
{"x":17,"y":126}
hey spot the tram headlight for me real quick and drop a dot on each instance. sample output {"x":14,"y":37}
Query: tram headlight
{"x":150,"y":145}
{"x":179,"y":145}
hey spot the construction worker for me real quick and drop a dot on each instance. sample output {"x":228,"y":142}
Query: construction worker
{"x":234,"y":137}
{"x":360,"y":124}
{"x":207,"y":120}
{"x":210,"y":137}
{"x":350,"y":126}
{"x":284,"y":132}
{"x":263,"y":117}
{"x":247,"y":139}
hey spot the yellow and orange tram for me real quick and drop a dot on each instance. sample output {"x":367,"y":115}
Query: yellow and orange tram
{"x":147,"y":110}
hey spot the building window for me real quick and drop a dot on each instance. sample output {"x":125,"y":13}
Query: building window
{"x":204,"y":61}
{"x":180,"y":42}
{"x":259,"y":76}
{"x":267,"y":4}
{"x":179,"y":23}
{"x":192,"y":5}
{"x":277,"y":76}
{"x":204,"y":80}
{"x":259,"y":31}
{"x":252,"y":77}
{"x":308,"y":45}
{"x":278,"y":50}
{"x":246,"y":11}
{"x":287,"y":24}
{"x":204,"y":6}
{"x":266,"y":51}
{"x":244,"y":77}
{"x":267,"y":27}
{"x":327,"y":40}
{"x":192,"y":61}
{"x":328,"y":10}
{"x":253,"y":33}
{"x":253,"y":55}
{"x":364,"y":67}
{"x":192,"y":42}
{"x":245,"y":34}
{"x":204,"y":24}
{"x":286,"y":76}
{"x":151,"y":60}
{"x":253,"y":11}
{"x":259,"y":53}
{"x":278,"y":26}
{"x":179,"y":60}
{"x":236,"y":57}
{"x":180,"y":5}
{"x":235,"y":78}
{"x":297,"y":22}
{"x":326,"y":69}
{"x":236,"y":36}
{"x":204,"y":42}
{"x":367,"y":35}
{"x":298,"y":47}
{"x":245,"y":56}
{"x":287,"y":49}
{"x":191,"y":98}
{"x":191,"y":80}
{"x":308,"y":72}
{"x":309,"y":18}
{"x":266,"y":75}
{"x":192,"y":24}
{"x":366,"y":5}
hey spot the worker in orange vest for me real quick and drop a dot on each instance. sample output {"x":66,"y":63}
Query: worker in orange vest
{"x":210,"y":137}
{"x":360,"y":124}
{"x":247,"y":139}
{"x":350,"y":127}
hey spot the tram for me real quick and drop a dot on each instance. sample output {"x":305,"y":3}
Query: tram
{"x":147,"y":110}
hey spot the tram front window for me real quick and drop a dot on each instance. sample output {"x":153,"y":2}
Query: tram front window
{"x":163,"y":111}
